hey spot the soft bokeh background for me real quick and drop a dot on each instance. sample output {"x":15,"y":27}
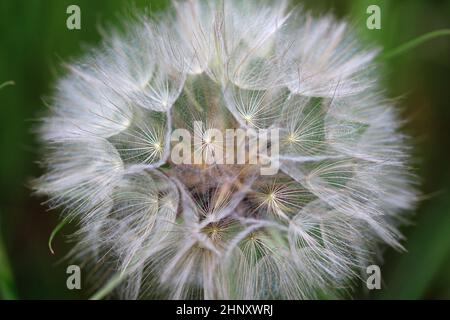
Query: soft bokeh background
{"x":34,"y":41}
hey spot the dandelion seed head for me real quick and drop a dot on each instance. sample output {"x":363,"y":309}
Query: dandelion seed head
{"x":221,"y":230}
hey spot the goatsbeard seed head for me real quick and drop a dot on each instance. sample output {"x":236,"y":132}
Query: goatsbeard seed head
{"x":225,"y":231}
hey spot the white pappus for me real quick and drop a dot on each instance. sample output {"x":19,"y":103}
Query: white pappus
{"x":225,"y":231}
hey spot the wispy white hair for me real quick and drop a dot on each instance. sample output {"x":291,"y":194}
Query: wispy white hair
{"x":224,"y":231}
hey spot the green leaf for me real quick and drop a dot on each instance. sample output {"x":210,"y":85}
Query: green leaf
{"x":428,"y":246}
{"x":7,"y":83}
{"x":414,"y":43}
{"x":54,"y":232}
{"x":7,"y":288}
{"x":109,"y":286}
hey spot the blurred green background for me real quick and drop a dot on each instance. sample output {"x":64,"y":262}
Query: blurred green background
{"x":34,"y":41}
